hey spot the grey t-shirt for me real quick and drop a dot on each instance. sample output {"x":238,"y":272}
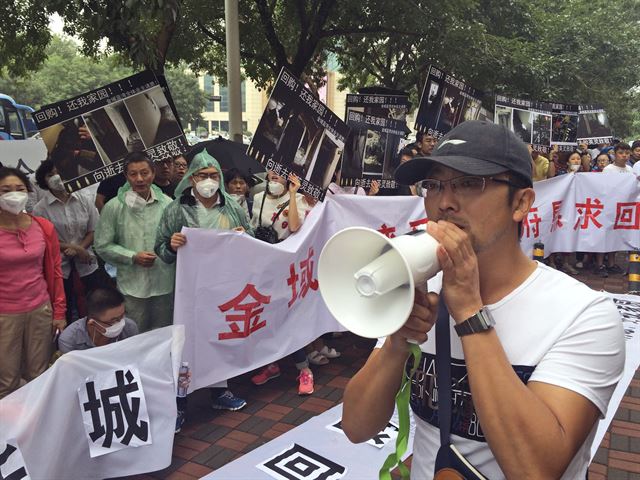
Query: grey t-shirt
{"x":76,"y":337}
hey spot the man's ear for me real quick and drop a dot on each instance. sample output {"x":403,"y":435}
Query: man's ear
{"x":522,"y":203}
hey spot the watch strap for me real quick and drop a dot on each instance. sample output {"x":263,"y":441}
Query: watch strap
{"x":480,"y":322}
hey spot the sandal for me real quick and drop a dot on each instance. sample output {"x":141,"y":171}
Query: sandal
{"x":317,"y":358}
{"x":329,"y":352}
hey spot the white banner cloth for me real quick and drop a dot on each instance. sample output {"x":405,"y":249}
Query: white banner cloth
{"x":44,"y":419}
{"x":246,"y":303}
{"x":361,"y":460}
{"x":585,"y":212}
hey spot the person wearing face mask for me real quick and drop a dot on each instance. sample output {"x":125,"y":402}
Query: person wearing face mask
{"x":238,"y":185}
{"x":285,"y":209}
{"x":201,"y":202}
{"x":105,"y":322}
{"x":32,"y":301}
{"x":75,"y":218}
{"x":125,"y":236}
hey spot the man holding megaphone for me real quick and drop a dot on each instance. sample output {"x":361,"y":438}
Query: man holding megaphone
{"x":534,"y":354}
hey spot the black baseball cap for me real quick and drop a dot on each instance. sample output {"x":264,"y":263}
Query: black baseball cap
{"x":475,"y":148}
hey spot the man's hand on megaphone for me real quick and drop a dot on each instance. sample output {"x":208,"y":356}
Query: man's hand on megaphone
{"x":421,"y":320}
{"x":460,"y":277}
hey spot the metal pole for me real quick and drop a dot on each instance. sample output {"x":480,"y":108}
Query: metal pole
{"x":233,"y":69}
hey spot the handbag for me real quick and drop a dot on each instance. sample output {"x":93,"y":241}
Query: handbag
{"x":268,"y":234}
{"x":450,"y":463}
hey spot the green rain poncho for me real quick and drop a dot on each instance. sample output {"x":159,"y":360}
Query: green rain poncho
{"x":185,"y":211}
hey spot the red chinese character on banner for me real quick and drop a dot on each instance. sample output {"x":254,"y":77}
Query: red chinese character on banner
{"x":388,"y":232}
{"x":627,"y":216}
{"x":531,"y":223}
{"x":556,"y":221}
{"x":250,"y":316}
{"x":306,"y":278}
{"x":292,"y":281}
{"x":416,"y":223}
{"x":588,"y":211}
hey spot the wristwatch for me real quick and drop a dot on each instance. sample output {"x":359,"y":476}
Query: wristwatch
{"x":480,"y":322}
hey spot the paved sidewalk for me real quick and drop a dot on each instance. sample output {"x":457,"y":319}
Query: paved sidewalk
{"x":213,"y":438}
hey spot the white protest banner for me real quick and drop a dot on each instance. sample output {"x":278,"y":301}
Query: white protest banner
{"x":311,"y":450}
{"x":246,"y":303}
{"x":629,"y":308}
{"x":585,"y":212}
{"x":45,"y":420}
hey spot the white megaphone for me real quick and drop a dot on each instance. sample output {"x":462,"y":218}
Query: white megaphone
{"x":367,"y":280}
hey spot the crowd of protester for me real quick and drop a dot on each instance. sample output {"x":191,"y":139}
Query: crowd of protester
{"x":99,"y":266}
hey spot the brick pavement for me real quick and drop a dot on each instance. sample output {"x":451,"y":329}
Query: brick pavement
{"x":213,"y":438}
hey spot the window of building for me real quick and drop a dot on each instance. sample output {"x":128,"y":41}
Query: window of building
{"x":208,"y":92}
{"x":224,"y":97}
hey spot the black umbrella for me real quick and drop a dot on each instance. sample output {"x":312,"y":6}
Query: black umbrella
{"x":229,"y":154}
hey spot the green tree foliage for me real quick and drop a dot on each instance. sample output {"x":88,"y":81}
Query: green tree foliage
{"x":66,"y":73}
{"x":582,"y":51}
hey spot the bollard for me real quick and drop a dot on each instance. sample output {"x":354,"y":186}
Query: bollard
{"x":634,"y":272}
{"x":538,"y":251}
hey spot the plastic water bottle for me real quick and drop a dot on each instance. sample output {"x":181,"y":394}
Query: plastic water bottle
{"x":183,"y":379}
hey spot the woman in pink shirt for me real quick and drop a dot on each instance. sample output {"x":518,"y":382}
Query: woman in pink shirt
{"x":32,"y":302}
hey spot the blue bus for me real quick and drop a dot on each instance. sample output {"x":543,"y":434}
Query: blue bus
{"x":16,"y":121}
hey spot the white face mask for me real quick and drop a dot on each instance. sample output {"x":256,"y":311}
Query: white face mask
{"x":207,"y":188}
{"x":276,"y":188}
{"x":112,"y":331}
{"x":55,"y":183}
{"x":574,"y":168}
{"x":238,"y":197}
{"x":13,"y":202}
{"x":133,"y":200}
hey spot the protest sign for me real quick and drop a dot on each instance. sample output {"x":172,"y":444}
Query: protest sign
{"x":88,"y":136}
{"x":564,"y":126}
{"x":445,"y":103}
{"x":317,"y":449}
{"x":298,"y":134}
{"x":593,"y":125}
{"x":530,"y":120}
{"x":584,"y":212}
{"x":88,"y":415}
{"x":377,"y":125}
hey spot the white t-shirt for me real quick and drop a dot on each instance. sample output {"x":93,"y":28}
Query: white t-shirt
{"x":554,"y":330}
{"x":611,"y":168}
{"x":636,"y":168}
{"x":271,"y":207}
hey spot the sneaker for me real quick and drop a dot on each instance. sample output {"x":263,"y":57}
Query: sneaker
{"x":317,"y":358}
{"x":228,"y":401}
{"x":305,"y":387}
{"x":579,"y":265}
{"x":180,"y":420}
{"x":268,"y":373}
{"x":601,"y":271}
{"x":615,"y":269}
{"x":330,"y":352}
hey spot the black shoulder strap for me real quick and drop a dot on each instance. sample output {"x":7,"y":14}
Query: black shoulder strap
{"x":261,"y":207}
{"x":443,"y":371}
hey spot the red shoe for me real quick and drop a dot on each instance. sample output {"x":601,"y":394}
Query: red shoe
{"x":268,"y":373}
{"x":305,"y":387}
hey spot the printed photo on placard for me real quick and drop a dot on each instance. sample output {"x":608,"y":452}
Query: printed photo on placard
{"x":564,"y":126}
{"x":445,"y":103}
{"x":593,"y":125}
{"x":378,"y":124}
{"x":299,"y":463}
{"x":88,"y":136}
{"x":530,"y":120}
{"x":114,"y":411}
{"x":383,"y":437}
{"x":298,"y":133}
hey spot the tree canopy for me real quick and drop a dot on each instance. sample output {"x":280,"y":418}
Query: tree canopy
{"x":581,"y":51}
